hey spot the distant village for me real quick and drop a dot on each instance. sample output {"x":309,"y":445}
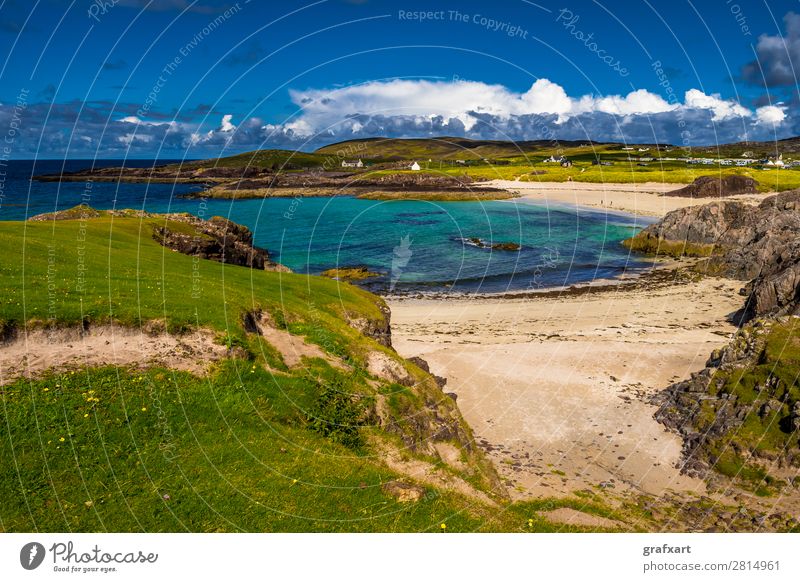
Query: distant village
{"x":642,"y":159}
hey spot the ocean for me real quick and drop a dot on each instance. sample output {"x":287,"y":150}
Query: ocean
{"x":415,"y":246}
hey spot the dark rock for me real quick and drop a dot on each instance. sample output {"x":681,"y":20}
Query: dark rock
{"x":217,"y":239}
{"x":713,"y":187}
{"x":759,"y":244}
{"x":422,"y":364}
{"x":379,"y":329}
{"x":484,"y":244}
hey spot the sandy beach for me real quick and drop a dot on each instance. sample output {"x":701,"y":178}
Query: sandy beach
{"x":556,"y":388}
{"x":638,"y":199}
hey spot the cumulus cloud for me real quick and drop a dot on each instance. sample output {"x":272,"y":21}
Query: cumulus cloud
{"x":459,"y":100}
{"x":722,"y":109}
{"x":771,"y":114}
{"x":777,"y":57}
{"x":422,"y":107}
{"x":403,"y":108}
{"x":226,"y":125}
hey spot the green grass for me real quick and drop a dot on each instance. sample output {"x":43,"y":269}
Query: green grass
{"x":116,"y":449}
{"x":489,"y":160}
{"x":166,"y":451}
{"x":270,"y":160}
{"x":253,"y":446}
{"x":119,"y":273}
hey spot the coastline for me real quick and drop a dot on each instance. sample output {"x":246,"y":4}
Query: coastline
{"x":556,"y":383}
{"x":557,"y":387}
{"x":645,"y":199}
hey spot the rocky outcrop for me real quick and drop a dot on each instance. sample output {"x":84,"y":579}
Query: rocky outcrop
{"x":217,"y":239}
{"x":484,"y":244}
{"x":759,"y":244}
{"x":744,"y":384}
{"x":713,"y":187}
{"x":441,"y":381}
{"x":379,"y":329}
{"x":356,"y":273}
{"x":741,"y":413}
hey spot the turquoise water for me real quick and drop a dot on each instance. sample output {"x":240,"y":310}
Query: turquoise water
{"x":421,"y":245}
{"x":414,"y":245}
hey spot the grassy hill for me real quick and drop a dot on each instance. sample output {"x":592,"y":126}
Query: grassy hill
{"x":440,"y":148}
{"x":258,"y":444}
{"x":268,"y":159}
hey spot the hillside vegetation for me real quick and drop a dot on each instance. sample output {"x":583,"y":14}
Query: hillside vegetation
{"x":343,"y":435}
{"x":387,"y":167}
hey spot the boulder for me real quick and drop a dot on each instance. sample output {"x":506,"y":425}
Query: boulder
{"x":755,"y":243}
{"x":714,"y":187}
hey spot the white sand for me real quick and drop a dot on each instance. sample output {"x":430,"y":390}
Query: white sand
{"x":638,"y":199}
{"x":559,"y":385}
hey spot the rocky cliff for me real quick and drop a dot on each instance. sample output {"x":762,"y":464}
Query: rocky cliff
{"x":217,"y":238}
{"x":759,"y":244}
{"x":740,"y":415}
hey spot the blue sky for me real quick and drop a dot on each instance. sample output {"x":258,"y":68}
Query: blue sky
{"x":142,"y":78}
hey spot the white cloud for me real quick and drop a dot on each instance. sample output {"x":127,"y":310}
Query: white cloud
{"x":467,"y":101}
{"x":771,"y":114}
{"x":226,"y":123}
{"x":414,"y":108}
{"x":639,"y":102}
{"x":723,"y":109}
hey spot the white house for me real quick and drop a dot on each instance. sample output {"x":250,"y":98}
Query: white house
{"x":415,"y":166}
{"x":358,"y":164}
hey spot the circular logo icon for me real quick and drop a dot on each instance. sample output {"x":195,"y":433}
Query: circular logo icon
{"x":31,"y":555}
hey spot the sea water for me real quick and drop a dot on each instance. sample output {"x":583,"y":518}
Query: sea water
{"x":414,"y":246}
